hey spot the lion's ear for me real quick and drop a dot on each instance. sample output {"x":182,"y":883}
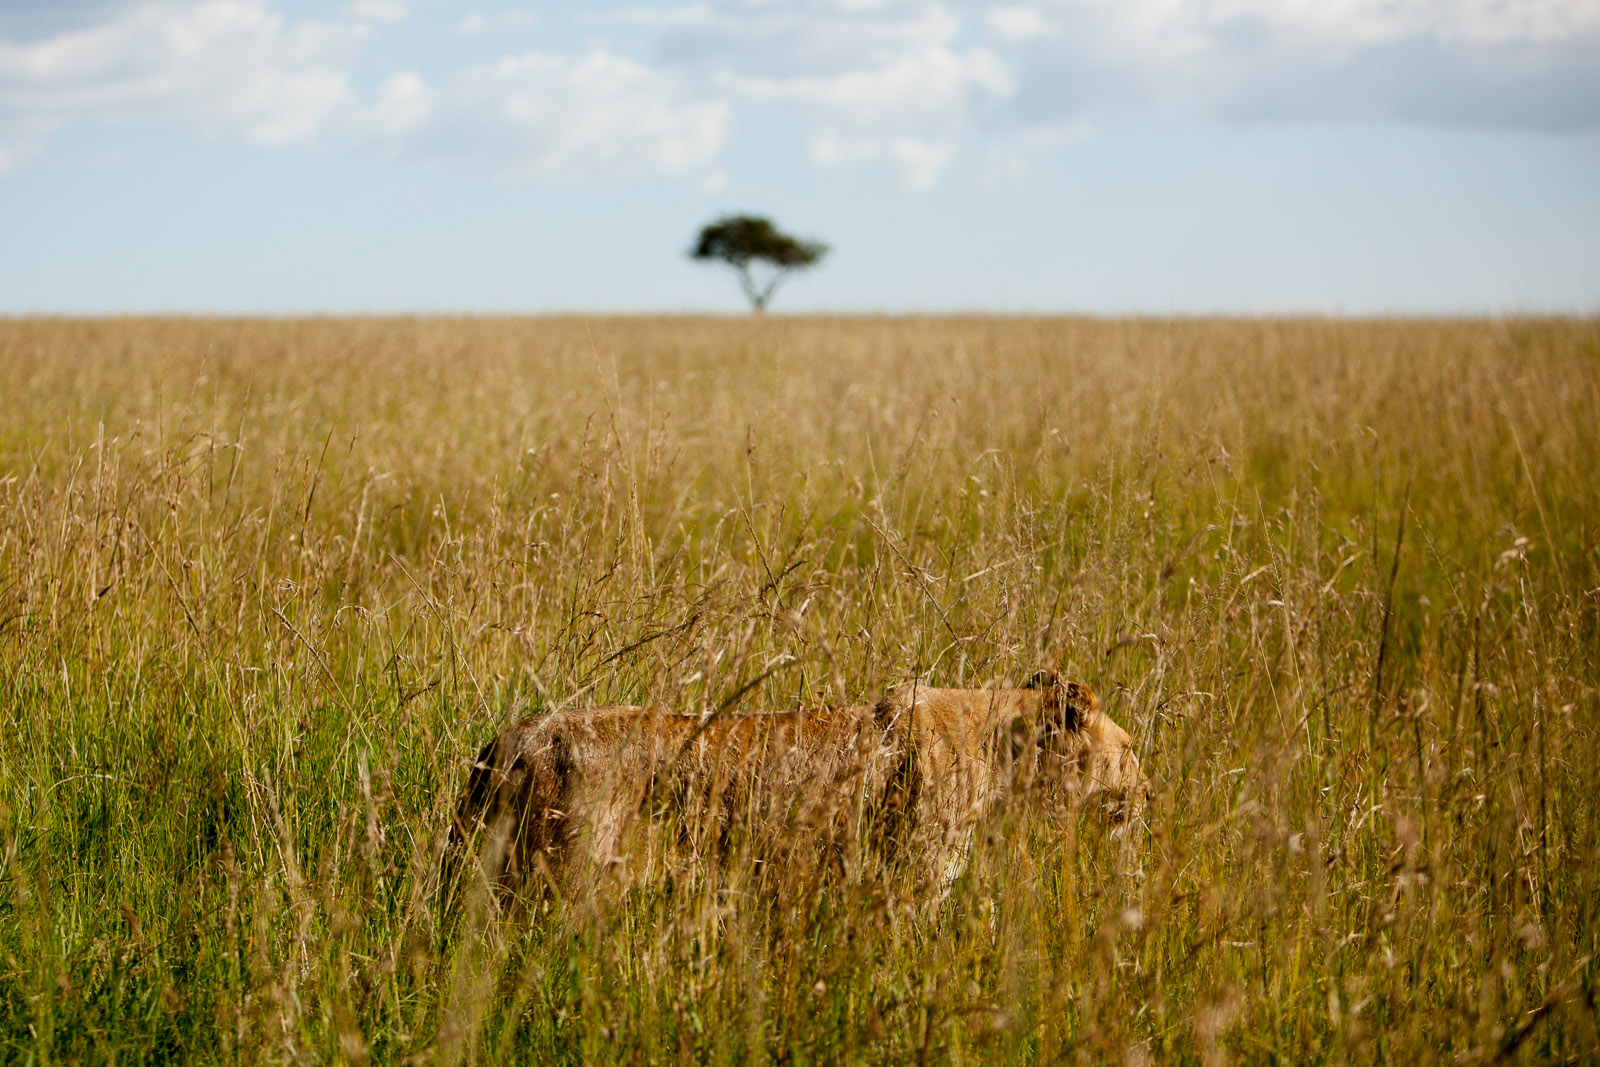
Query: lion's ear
{"x":1068,"y":704}
{"x":1043,"y":680}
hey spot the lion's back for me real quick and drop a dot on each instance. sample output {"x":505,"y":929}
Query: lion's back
{"x":580,"y":778}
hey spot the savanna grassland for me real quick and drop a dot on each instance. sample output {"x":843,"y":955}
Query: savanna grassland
{"x":266,"y":586}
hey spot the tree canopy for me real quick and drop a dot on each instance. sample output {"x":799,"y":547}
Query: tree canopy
{"x":744,"y":241}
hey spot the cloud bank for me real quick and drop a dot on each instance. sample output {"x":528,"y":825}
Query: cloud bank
{"x":549,"y":117}
{"x":222,"y":68}
{"x":661,"y":90}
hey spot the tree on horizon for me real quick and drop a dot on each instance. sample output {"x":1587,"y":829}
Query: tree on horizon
{"x":745,"y":241}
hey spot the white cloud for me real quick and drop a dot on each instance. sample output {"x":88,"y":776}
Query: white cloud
{"x":219,"y":68}
{"x":1503,"y":62}
{"x":868,"y":75}
{"x":895,"y":80}
{"x":1475,"y":62}
{"x":242,"y":69}
{"x":1016,"y":24}
{"x":509,"y":21}
{"x":935,"y":86}
{"x":1346,"y":23}
{"x":911,"y":109}
{"x":376,"y":10}
{"x":403,"y":105}
{"x":548,"y":117}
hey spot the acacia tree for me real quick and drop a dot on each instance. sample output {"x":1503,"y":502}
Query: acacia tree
{"x":747,"y":241}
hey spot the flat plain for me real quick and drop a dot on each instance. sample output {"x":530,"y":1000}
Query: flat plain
{"x":267,"y":585}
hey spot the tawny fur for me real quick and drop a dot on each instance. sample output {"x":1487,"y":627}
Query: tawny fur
{"x":904,"y":782}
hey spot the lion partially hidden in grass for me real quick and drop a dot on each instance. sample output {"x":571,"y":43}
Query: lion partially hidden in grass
{"x":636,"y":791}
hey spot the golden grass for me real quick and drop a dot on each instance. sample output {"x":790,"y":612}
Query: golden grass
{"x":266,"y":586}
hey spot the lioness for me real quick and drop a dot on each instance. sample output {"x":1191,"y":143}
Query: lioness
{"x":906,"y":780}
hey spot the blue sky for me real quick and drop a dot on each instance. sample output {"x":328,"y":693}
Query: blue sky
{"x":1340,"y":156}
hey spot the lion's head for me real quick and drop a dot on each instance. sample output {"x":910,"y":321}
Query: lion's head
{"x":1081,"y":752}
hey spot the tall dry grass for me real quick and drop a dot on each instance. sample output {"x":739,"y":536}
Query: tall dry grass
{"x":265,"y":587}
